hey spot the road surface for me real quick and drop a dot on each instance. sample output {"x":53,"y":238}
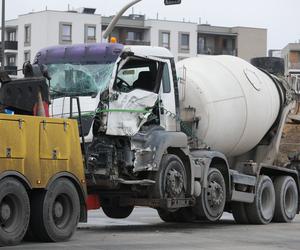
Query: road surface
{"x":144,"y":230}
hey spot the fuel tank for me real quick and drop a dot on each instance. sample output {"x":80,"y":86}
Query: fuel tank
{"x":235,"y":102}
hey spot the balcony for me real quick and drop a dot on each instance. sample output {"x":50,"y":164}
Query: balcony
{"x":11,"y":70}
{"x":136,"y":42}
{"x":10,"y":45}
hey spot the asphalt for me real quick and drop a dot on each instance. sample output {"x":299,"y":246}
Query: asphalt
{"x":144,"y":230}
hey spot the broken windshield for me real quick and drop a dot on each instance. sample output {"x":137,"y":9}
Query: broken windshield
{"x":79,"y":79}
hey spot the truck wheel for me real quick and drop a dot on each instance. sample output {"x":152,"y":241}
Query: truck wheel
{"x":239,"y":213}
{"x":165,"y":215}
{"x":210,"y":205}
{"x":286,"y":197}
{"x":171,"y":180}
{"x":184,"y":215}
{"x":55,"y":212}
{"x":261,"y":211}
{"x":14,"y":211}
{"x":117,"y":212}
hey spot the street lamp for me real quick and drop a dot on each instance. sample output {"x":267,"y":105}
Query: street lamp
{"x":3,"y":35}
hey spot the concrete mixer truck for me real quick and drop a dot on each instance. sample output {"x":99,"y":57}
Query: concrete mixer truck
{"x":191,"y":140}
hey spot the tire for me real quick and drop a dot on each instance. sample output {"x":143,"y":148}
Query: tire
{"x":165,"y":215}
{"x":286,"y":196}
{"x":117,"y":212}
{"x":239,"y":213}
{"x":171,"y":182}
{"x":171,"y":178}
{"x":183,"y":215}
{"x":261,"y":211}
{"x":55,"y":212}
{"x":14,"y":212}
{"x":210,"y":205}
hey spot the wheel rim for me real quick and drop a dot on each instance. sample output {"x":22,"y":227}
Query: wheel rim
{"x":267,"y":202}
{"x":214,"y":199}
{"x":9,"y":213}
{"x":62,"y":211}
{"x":174,"y":183}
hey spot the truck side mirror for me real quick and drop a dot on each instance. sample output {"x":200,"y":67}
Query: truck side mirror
{"x":172,"y":2}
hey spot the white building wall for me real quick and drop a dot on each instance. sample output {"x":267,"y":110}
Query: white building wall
{"x":175,"y":28}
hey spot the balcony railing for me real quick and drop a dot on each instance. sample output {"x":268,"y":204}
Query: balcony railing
{"x":11,"y":70}
{"x":294,"y":65}
{"x":217,"y":52}
{"x":136,"y":42}
{"x":11,"y":45}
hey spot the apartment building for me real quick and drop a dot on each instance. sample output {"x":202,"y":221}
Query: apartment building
{"x":27,"y":34}
{"x":33,"y":31}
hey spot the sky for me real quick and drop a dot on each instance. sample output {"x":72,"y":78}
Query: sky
{"x":280,"y":17}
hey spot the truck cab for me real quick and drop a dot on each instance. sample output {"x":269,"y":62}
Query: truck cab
{"x":112,"y":70}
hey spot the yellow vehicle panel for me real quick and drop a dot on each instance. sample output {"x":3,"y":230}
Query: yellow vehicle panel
{"x":39,"y":148}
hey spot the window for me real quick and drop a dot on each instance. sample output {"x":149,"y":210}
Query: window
{"x":201,"y":45}
{"x":27,"y":34}
{"x":164,"y":39}
{"x":65,"y":32}
{"x":90,"y":33}
{"x":139,"y":74}
{"x":134,"y":36}
{"x":225,"y":44}
{"x":184,"y":42}
{"x":130,"y":35}
{"x":11,"y":36}
{"x":27,"y":56}
{"x":166,"y":80}
{"x":11,"y":60}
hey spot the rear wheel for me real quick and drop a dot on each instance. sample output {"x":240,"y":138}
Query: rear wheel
{"x":14,"y":212}
{"x":55,"y":212}
{"x":261,"y":211}
{"x":286,"y":196}
{"x":210,"y":205}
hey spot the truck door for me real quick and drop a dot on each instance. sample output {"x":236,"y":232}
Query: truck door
{"x":134,"y":96}
{"x":167,"y":99}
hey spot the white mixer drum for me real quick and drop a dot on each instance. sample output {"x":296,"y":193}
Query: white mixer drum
{"x":237,"y":103}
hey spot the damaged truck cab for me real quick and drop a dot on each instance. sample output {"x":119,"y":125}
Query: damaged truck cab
{"x":136,"y":128}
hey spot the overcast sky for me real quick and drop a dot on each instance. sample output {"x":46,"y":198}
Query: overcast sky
{"x":280,"y":17}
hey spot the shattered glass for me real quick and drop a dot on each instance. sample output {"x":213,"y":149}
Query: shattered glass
{"x":79,"y":79}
